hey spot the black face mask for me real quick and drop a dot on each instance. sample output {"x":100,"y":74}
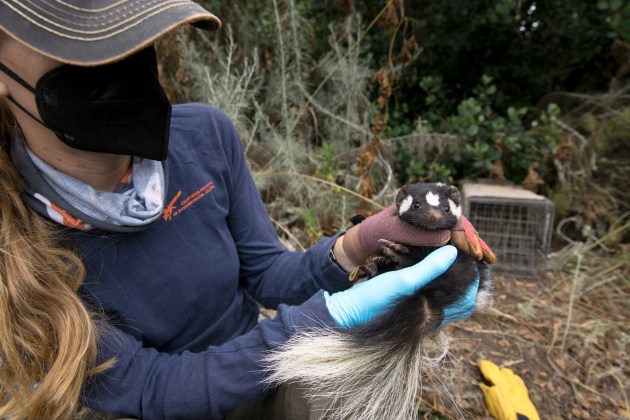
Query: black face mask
{"x":118,"y":108}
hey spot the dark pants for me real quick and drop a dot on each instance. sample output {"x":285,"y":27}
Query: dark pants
{"x":286,"y":403}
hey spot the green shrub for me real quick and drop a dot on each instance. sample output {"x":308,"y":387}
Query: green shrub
{"x":517,"y":138}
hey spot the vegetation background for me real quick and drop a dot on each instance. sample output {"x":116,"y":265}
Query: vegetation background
{"x":339,"y":103}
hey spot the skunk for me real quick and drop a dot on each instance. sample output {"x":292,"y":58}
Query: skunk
{"x":375,"y":371}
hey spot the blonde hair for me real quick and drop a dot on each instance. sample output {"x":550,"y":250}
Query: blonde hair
{"x":48,"y":339}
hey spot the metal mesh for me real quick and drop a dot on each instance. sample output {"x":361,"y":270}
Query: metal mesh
{"x":518,"y":231}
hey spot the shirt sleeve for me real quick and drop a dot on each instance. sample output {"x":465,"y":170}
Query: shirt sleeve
{"x":145,"y":383}
{"x":271,"y":274}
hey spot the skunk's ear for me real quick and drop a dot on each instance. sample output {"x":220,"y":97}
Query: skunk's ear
{"x":401,"y":195}
{"x":454,"y":194}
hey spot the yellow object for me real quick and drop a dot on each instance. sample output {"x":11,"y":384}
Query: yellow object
{"x":506,"y":397}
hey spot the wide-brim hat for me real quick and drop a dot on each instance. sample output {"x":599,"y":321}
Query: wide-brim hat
{"x":95,"y":32}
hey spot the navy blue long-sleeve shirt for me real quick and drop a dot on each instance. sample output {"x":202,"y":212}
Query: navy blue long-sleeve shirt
{"x":181,"y":295}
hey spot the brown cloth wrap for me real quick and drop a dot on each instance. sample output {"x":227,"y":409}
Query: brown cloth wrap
{"x":362,"y":240}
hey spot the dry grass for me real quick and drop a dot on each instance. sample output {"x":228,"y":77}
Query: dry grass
{"x":567,"y":336}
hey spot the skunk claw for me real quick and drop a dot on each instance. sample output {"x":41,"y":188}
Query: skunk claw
{"x":394,"y":246}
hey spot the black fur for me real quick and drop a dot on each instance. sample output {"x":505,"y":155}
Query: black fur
{"x":375,"y":371}
{"x":413,"y":318}
{"x":424,"y":215}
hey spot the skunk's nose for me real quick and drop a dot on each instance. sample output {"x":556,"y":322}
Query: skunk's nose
{"x":435,"y":214}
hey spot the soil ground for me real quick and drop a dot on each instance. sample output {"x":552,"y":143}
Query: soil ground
{"x":567,"y":336}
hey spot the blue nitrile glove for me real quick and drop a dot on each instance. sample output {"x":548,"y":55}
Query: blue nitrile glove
{"x":462,"y":308}
{"x":361,"y":303}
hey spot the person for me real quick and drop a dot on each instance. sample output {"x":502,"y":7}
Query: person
{"x":134,"y":246}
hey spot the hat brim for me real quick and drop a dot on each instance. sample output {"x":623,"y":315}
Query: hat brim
{"x":92,"y":33}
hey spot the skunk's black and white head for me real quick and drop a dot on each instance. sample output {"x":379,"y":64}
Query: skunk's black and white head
{"x":431,"y":206}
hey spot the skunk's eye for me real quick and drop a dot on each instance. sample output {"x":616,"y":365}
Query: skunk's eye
{"x":447,"y":208}
{"x":416,"y":205}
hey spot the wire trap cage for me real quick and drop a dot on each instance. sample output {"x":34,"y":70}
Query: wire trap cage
{"x":516,"y":223}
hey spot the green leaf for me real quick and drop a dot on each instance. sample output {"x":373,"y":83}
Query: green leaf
{"x":473,"y":130}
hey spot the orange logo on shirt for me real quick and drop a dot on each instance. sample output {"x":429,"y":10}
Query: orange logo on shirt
{"x":168,"y":211}
{"x":173,"y":211}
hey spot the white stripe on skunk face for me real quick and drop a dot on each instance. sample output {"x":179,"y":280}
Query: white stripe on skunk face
{"x":433,"y":199}
{"x":455,"y":209}
{"x":405,"y":205}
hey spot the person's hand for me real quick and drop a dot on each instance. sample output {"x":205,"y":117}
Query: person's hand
{"x":464,"y":307}
{"x":353,"y":248}
{"x":465,"y":237}
{"x":359,"y":304}
{"x":363,"y":239}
